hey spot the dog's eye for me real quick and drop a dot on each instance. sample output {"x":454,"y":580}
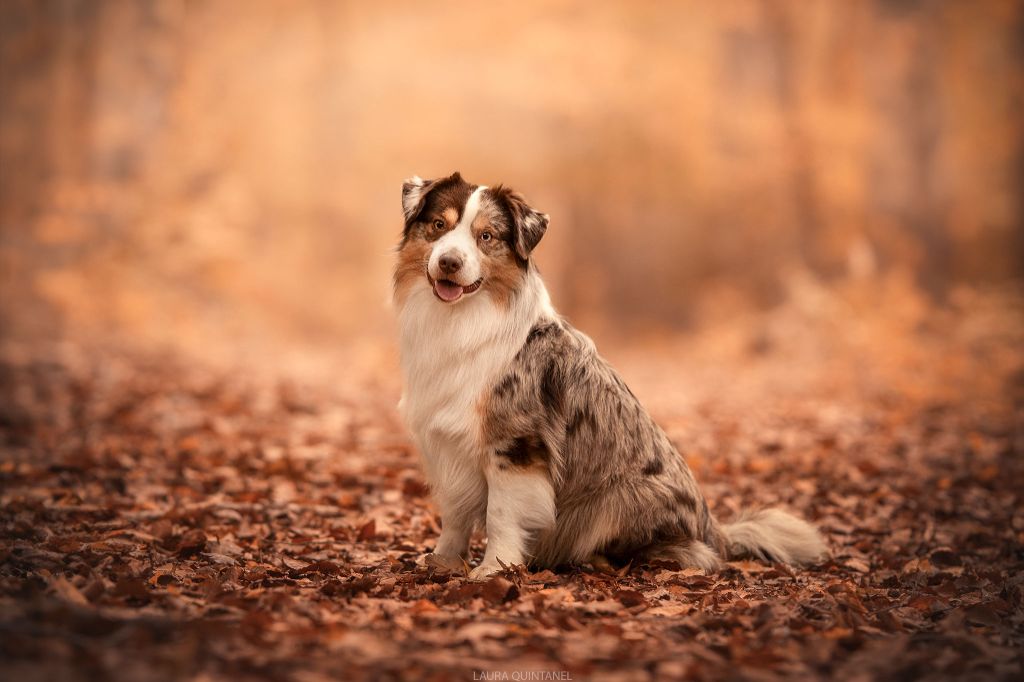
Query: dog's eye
{"x":438,"y":224}
{"x":485,"y":236}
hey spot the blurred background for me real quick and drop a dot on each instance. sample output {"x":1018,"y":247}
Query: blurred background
{"x":796,"y":227}
{"x":225,"y":176}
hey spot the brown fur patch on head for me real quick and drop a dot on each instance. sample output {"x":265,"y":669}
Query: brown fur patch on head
{"x":444,"y":199}
{"x":450,"y":216}
{"x":424,"y":202}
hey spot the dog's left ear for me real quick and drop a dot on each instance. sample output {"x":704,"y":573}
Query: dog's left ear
{"x":528,"y":224}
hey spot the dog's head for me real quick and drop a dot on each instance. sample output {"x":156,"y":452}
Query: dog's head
{"x":462,"y":238}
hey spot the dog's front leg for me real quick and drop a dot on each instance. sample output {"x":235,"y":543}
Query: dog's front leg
{"x":520,"y":500}
{"x":461,"y":496}
{"x":457,"y":521}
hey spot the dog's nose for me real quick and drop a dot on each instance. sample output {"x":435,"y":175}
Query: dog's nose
{"x":450,"y":263}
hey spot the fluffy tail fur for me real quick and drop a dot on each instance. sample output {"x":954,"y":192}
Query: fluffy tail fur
{"x":773,"y":535}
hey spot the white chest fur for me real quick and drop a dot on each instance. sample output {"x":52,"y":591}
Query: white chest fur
{"x":451,"y":356}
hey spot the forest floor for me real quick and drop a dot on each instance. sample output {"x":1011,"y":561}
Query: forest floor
{"x":164,"y":519}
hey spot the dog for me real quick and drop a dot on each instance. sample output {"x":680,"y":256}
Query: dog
{"x":522,"y":427}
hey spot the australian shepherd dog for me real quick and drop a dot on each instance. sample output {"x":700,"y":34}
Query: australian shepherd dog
{"x":524,"y":430}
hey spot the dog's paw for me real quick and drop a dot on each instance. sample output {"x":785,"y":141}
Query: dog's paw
{"x":484,"y":571}
{"x":452,"y":564}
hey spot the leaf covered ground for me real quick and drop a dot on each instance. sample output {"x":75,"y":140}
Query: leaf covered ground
{"x":162,"y":518}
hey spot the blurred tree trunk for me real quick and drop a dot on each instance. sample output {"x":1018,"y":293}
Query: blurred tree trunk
{"x":924,"y":133}
{"x":47,"y":70}
{"x":799,"y":164}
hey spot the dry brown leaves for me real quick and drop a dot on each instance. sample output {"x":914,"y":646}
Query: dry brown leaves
{"x":160,"y":520}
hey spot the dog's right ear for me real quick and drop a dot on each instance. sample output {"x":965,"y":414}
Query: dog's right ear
{"x":414,"y":195}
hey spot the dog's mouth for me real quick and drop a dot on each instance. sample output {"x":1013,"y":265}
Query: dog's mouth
{"x":449,"y":291}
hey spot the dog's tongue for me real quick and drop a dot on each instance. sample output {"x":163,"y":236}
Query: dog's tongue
{"x":448,"y":291}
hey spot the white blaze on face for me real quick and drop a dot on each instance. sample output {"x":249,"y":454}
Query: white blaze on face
{"x":460,"y":242}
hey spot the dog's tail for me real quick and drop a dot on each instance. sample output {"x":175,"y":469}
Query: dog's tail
{"x":773,"y":535}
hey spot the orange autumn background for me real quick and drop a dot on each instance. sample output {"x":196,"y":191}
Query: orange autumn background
{"x":207,"y":177}
{"x":794,"y":227}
